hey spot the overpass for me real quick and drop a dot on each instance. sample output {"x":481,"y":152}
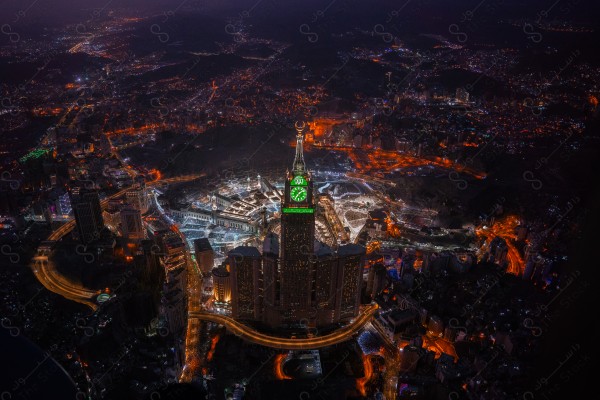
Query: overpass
{"x":252,"y":335}
{"x":52,"y":280}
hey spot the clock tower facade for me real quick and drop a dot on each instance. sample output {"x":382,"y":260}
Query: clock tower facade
{"x":297,"y":241}
{"x":304,"y":283}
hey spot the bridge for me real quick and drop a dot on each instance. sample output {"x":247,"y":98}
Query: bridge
{"x":252,"y":335}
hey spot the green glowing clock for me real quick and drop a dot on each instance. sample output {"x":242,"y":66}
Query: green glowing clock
{"x":298,"y":193}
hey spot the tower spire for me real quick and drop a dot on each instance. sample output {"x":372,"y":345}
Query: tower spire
{"x":299,"y":165}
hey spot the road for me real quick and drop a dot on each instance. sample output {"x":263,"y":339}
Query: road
{"x":194,"y":326}
{"x":46,"y":272}
{"x":393,"y":358}
{"x":505,"y":229}
{"x":251,"y":335}
{"x":369,"y":162}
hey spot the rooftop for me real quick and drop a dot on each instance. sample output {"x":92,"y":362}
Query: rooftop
{"x":246,"y":251}
{"x":351,"y":249}
{"x":202,"y":244}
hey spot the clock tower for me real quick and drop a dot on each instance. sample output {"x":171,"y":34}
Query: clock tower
{"x":298,"y":208}
{"x":297,"y":237}
{"x":302,"y":283}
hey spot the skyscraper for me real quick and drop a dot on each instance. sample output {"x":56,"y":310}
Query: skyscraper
{"x":137,"y":196}
{"x":171,"y":251}
{"x":351,"y":260}
{"x":245,"y":265}
{"x":222,"y":284}
{"x":326,"y":286}
{"x":87,"y":212}
{"x":205,"y":256}
{"x":297,"y":239}
{"x":376,"y":280}
{"x":299,"y":281}
{"x":271,"y":282}
{"x":131,"y":224}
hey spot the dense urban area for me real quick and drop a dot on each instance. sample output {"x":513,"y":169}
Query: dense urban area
{"x":322,"y":200}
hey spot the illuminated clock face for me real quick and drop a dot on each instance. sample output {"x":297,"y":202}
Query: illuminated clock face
{"x":298,"y":193}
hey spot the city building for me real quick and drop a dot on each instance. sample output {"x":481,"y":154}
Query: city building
{"x":397,"y":321}
{"x":88,"y":213}
{"x":112,"y":214}
{"x":351,"y":261}
{"x":137,"y":196}
{"x":151,"y":274}
{"x":297,"y":241}
{"x":271,"y":287}
{"x":205,"y":256}
{"x":498,"y":251}
{"x":132,"y":227}
{"x":410,"y":358}
{"x":377,"y":279}
{"x":245,"y":265}
{"x":174,"y":303}
{"x":376,"y":225}
{"x":297,"y":280}
{"x":222,"y":285}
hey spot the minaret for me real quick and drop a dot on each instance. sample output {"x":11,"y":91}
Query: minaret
{"x":299,"y":165}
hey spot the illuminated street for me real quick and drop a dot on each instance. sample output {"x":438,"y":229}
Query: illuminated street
{"x":251,"y":335}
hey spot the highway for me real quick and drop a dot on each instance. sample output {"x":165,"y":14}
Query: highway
{"x":45,"y":271}
{"x":251,"y":335}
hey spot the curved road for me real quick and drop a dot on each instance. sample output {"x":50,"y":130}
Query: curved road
{"x":251,"y":335}
{"x":46,"y":272}
{"x":505,"y":229}
{"x":48,"y":276}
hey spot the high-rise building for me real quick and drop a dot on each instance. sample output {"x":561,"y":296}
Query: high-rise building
{"x":111,"y":215}
{"x":222,"y":284}
{"x":132,"y":227}
{"x":351,"y":261}
{"x":151,"y":274}
{"x":326,"y":286}
{"x":245,"y":266}
{"x":271,"y":283}
{"x":376,"y":280}
{"x":137,"y":196}
{"x":171,"y":251}
{"x":205,"y":256}
{"x":88,"y":213}
{"x":299,"y":281}
{"x":297,"y":240}
{"x":8,"y":198}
